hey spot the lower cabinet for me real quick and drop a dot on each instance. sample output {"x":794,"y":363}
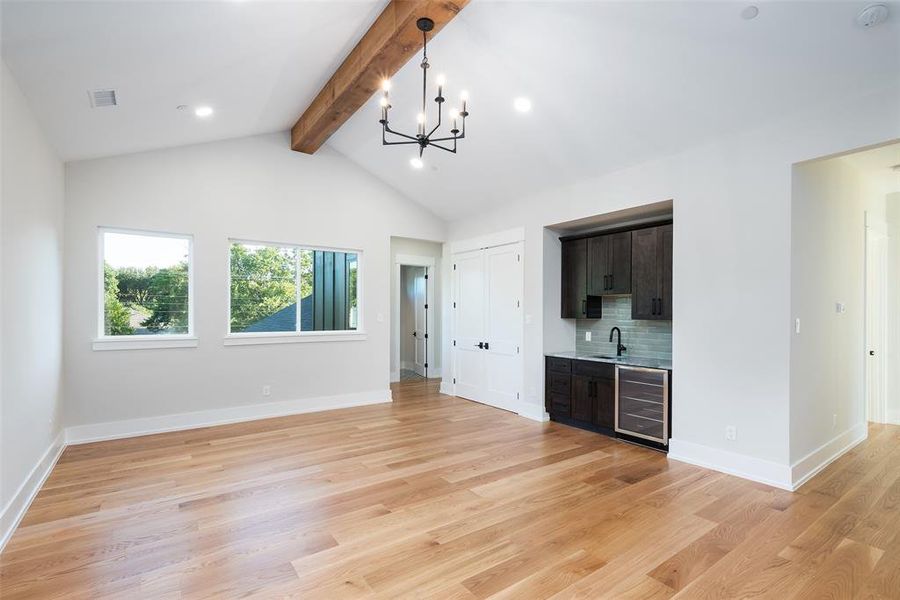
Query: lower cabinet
{"x":581,"y":393}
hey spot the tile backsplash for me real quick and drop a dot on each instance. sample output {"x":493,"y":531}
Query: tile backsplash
{"x":650,"y":339}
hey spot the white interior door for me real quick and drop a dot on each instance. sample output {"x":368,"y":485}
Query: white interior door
{"x":488,"y":320}
{"x":876,"y":323}
{"x":503,"y":325}
{"x":468,"y":276}
{"x":421,"y":333}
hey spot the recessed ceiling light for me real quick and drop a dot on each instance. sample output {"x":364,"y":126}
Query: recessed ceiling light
{"x":203,"y":111}
{"x":750,"y":12}
{"x":416,"y":162}
{"x":522,"y":105}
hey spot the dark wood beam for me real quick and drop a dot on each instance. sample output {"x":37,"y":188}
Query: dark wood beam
{"x":389,"y":43}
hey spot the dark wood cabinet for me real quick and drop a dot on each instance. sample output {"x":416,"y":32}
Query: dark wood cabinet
{"x":651,"y":273}
{"x":581,"y":393}
{"x":574,"y":279}
{"x":609,"y":264}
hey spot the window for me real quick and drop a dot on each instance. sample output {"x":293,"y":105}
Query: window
{"x":146,"y":285}
{"x":292,"y":289}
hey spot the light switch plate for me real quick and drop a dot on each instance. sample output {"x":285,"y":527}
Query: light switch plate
{"x":587,"y":336}
{"x":840,"y":308}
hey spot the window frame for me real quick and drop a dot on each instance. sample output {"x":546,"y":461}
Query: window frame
{"x":141,"y":341}
{"x":296,"y":336}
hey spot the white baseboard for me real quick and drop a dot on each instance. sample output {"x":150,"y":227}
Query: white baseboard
{"x":434,"y":373}
{"x":82,"y":434}
{"x":748,"y":467}
{"x":534,"y":412}
{"x":806,"y":468}
{"x":15,"y":509}
{"x":446,"y":388}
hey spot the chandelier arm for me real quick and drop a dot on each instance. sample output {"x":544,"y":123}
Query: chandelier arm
{"x":409,"y":137}
{"x":445,"y":139}
{"x":387,"y":143}
{"x":450,"y":150}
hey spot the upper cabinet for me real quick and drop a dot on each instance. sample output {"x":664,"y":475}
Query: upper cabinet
{"x":574,"y":279}
{"x":609,"y":264}
{"x":651,"y":276}
{"x":637,"y":262}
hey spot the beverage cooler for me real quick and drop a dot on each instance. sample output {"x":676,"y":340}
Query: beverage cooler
{"x":642,"y":403}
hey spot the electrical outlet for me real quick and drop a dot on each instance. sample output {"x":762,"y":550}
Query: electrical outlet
{"x":587,"y":336}
{"x":797,"y":325}
{"x":731,"y":433}
{"x":840,"y":308}
{"x":267,"y":390}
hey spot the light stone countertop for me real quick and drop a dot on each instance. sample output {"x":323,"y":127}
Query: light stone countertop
{"x":627,"y":361}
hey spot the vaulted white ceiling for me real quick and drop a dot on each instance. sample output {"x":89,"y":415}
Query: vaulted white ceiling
{"x":257,"y":63}
{"x":612,"y":83}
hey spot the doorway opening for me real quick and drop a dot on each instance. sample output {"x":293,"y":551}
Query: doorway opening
{"x":413,"y":322}
{"x":845,"y":302}
{"x":415,"y":352}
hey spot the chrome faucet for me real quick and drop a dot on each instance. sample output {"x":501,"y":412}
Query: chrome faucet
{"x":619,"y":347}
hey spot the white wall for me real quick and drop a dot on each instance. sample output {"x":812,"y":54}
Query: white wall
{"x":427,"y":249}
{"x":892,"y":210}
{"x":31,"y":216}
{"x":830,"y":201}
{"x":732,"y":280}
{"x":252,"y":188}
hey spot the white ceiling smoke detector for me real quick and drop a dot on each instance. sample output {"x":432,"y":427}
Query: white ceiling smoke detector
{"x":103,"y":98}
{"x":872,"y":15}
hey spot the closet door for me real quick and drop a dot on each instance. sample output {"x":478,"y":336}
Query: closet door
{"x":488,"y":325}
{"x":503,"y":325}
{"x":469,"y":311}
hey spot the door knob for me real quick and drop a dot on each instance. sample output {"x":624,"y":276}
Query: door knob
{"x":480,"y":345}
{"x":871,"y":353}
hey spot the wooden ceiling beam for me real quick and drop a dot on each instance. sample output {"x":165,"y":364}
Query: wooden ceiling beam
{"x":389,"y":43}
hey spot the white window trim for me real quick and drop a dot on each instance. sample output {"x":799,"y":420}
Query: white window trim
{"x":142,"y":342}
{"x":297,"y":336}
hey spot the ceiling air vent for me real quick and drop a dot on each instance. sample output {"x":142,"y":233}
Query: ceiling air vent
{"x":103,"y":98}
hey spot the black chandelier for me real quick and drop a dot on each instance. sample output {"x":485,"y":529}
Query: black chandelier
{"x":423,"y":139}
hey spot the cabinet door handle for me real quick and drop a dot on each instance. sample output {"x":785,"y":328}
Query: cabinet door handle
{"x":584,"y":307}
{"x":605,"y":282}
{"x":612,"y":280}
{"x":653,"y":309}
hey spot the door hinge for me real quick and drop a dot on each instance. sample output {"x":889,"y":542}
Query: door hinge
{"x":454,"y":305}
{"x":518,"y":258}
{"x":517,"y":395}
{"x":454,"y":381}
{"x":518,"y":304}
{"x":454,"y":267}
{"x":426,"y":307}
{"x":454,"y":342}
{"x":517,"y":349}
{"x":426,"y":275}
{"x":426,"y":365}
{"x":426,"y":336}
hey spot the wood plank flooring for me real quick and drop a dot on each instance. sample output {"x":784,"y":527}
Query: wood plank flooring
{"x":438,"y":497}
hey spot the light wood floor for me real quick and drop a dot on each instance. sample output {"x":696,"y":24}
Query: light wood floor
{"x":437,"y":497}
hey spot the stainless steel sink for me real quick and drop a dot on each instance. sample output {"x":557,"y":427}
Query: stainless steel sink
{"x":608,"y":357}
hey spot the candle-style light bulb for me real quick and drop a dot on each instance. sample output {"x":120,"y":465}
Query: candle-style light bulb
{"x":454,"y":114}
{"x":383,"y":102}
{"x":464,"y":96}
{"x":386,"y":85}
{"x":441,"y":80}
{"x":420,"y":118}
